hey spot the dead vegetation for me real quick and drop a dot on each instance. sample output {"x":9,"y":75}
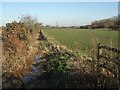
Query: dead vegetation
{"x":17,"y":54}
{"x":59,"y":67}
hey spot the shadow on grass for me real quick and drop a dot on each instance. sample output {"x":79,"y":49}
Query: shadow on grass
{"x":62,"y":80}
{"x":73,"y":80}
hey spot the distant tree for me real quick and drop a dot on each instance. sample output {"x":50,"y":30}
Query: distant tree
{"x":47,"y":26}
{"x":106,"y":23}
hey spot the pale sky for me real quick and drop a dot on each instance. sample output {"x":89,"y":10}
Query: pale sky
{"x":64,"y":13}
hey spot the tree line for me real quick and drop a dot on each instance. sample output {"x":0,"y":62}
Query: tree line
{"x":111,"y":23}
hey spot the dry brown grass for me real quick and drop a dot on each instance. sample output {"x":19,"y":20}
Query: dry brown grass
{"x":18,"y":58}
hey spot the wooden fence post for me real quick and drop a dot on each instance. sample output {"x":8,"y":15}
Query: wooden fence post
{"x":98,"y":54}
{"x":119,"y":70}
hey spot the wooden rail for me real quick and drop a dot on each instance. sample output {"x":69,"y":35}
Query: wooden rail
{"x":115,"y":60}
{"x":100,"y":46}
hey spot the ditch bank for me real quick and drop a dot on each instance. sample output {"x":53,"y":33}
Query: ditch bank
{"x":55,"y":67}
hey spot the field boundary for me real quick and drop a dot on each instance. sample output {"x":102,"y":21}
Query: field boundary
{"x":55,"y":42}
{"x":115,"y":60}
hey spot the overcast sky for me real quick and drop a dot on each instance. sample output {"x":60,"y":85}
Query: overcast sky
{"x":64,"y":13}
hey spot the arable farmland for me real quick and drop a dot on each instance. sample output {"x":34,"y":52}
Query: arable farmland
{"x":83,"y":40}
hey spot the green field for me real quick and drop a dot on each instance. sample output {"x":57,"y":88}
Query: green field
{"x":83,"y":40}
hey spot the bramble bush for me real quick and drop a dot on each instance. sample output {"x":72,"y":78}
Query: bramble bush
{"x":58,"y":63}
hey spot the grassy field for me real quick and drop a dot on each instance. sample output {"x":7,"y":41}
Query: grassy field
{"x":83,"y":40}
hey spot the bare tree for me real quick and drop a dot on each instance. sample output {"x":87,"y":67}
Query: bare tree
{"x":31,"y":23}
